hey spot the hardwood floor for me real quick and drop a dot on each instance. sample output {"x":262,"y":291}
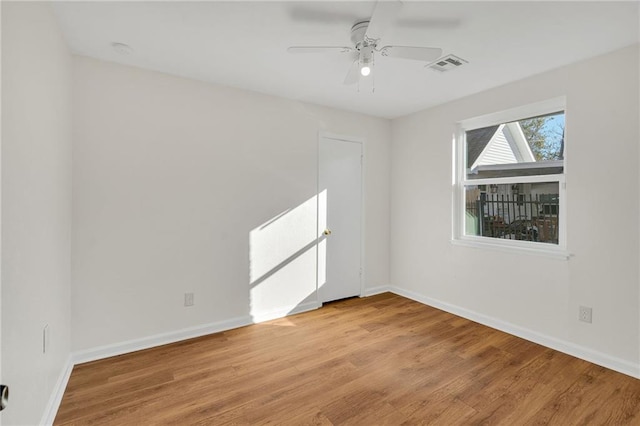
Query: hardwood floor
{"x":382,"y":360}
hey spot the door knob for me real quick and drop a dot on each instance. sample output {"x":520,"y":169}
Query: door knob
{"x":4,"y":396}
{"x":327,"y":231}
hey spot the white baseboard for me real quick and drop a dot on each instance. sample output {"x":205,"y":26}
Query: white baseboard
{"x":58,"y":391}
{"x":587,"y":354}
{"x":375,"y":290}
{"x":283,"y":312}
{"x":107,"y":351}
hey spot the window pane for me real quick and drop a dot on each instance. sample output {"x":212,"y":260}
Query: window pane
{"x":522,"y":211}
{"x":528,"y":147}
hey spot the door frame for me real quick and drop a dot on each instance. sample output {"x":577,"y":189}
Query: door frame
{"x":347,"y":139}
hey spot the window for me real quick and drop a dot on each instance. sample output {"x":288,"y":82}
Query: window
{"x":510,"y":179}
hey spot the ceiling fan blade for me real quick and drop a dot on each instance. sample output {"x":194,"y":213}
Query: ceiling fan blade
{"x":384,"y":15}
{"x":353,"y":75}
{"x":426,"y":54}
{"x":434,"y":23}
{"x":321,"y":16}
{"x":319,"y":49}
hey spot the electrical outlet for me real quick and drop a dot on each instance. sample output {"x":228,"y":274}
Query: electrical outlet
{"x":188,"y":299}
{"x":584,"y":314}
{"x":45,"y":339}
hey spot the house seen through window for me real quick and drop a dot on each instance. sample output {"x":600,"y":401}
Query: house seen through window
{"x":513,"y":179}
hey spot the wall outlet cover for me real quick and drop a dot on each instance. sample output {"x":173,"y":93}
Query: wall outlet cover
{"x":585,"y":314}
{"x":188,"y":299}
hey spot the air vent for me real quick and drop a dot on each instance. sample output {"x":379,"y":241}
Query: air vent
{"x":447,"y":63}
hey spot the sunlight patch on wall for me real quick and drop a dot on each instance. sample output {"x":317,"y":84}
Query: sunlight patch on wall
{"x":282,"y":260}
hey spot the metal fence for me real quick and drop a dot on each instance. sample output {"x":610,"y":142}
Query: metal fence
{"x":516,"y":217}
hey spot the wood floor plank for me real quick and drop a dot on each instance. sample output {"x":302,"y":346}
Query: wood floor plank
{"x":371,"y":361}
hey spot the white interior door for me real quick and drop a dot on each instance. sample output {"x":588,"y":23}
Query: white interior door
{"x":339,"y":218}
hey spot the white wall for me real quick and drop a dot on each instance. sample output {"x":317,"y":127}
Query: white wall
{"x":36,"y":207}
{"x":171,"y":176}
{"x":602,"y":180}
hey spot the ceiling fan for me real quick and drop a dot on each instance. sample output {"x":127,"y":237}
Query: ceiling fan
{"x":366,"y":36}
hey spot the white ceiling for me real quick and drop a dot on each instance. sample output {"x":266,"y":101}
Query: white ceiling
{"x":243,"y":44}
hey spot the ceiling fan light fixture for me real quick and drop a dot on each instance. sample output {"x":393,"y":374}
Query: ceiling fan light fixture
{"x":366,"y":61}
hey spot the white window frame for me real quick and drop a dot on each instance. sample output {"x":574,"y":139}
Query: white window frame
{"x":460,"y":181}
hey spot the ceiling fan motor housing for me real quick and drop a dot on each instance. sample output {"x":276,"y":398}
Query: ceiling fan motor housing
{"x":358,"y":32}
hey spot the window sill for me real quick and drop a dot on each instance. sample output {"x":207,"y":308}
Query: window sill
{"x":555,"y":253}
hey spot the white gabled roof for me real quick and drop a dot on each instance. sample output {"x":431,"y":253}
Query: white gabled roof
{"x":507,"y":145}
